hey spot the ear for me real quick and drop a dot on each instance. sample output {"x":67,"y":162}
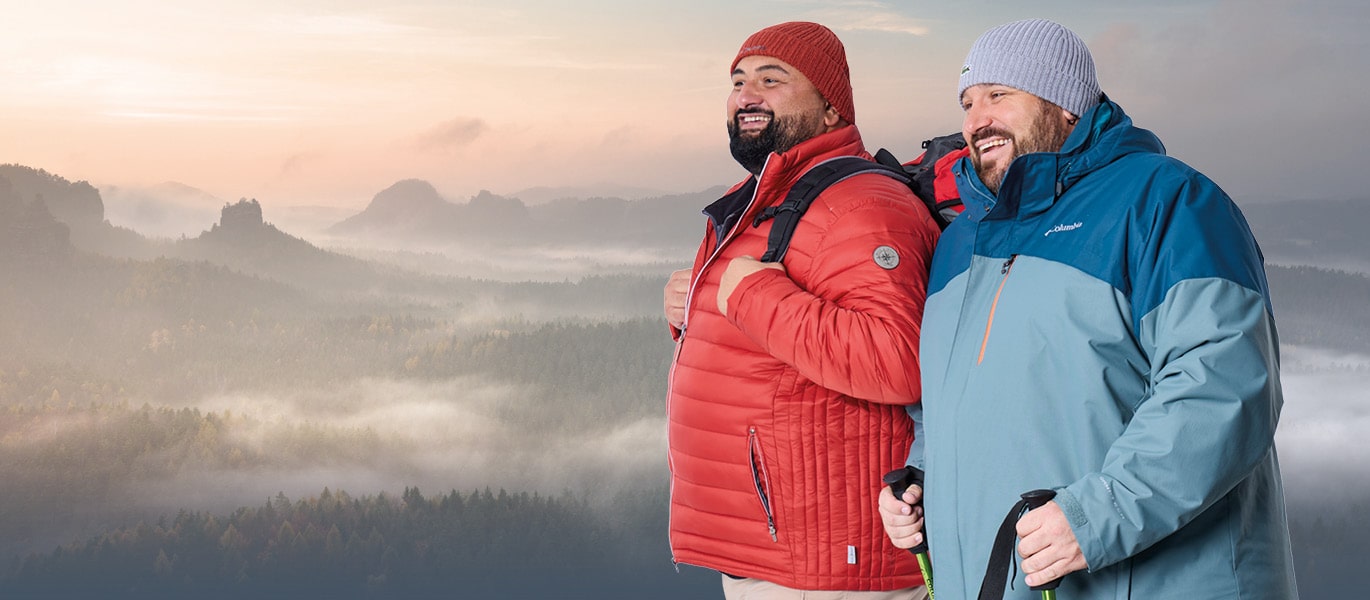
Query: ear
{"x":1070,"y":119}
{"x":830,"y":118}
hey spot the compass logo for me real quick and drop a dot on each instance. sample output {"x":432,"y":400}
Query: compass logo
{"x":886,"y":257}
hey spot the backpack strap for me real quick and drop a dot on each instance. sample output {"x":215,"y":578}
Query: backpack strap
{"x":803,"y":193}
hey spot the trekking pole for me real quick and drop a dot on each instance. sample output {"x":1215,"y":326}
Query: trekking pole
{"x":1035,"y":499}
{"x":1001,"y":553}
{"x":899,"y":481}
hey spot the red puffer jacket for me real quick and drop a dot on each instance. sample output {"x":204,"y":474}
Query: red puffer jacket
{"x":784,"y":415}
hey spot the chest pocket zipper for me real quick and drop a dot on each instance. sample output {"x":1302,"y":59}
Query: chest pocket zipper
{"x":989,"y":323}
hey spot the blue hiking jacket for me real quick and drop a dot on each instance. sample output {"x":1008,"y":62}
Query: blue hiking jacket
{"x":1103,"y":328}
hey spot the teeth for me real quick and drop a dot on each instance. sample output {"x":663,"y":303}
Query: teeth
{"x":755,"y":118}
{"x":991,"y":144}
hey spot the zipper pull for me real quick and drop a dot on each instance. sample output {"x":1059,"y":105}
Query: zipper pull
{"x":1008,"y":264}
{"x":773,"y":538}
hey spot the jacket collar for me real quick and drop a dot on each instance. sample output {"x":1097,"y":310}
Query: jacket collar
{"x":783,"y":170}
{"x":1034,"y":181}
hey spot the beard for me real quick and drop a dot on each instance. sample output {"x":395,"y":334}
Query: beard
{"x":781,"y":134}
{"x":1046,"y":133}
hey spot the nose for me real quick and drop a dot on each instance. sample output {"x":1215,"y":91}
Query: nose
{"x":976,"y":118}
{"x":745,"y":95}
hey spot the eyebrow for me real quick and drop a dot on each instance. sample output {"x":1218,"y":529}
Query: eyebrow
{"x":763,"y":68}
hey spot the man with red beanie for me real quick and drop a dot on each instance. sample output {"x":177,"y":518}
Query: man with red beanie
{"x":787,"y":392}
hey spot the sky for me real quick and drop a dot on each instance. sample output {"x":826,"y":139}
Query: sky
{"x":327,"y":102}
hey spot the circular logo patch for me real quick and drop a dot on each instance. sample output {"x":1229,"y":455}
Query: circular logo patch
{"x":886,"y":257}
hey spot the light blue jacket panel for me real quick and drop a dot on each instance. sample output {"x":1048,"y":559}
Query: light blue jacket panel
{"x":1103,"y":328}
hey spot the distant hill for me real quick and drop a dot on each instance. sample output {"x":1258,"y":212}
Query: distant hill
{"x":167,"y":210}
{"x":243,"y":241}
{"x":411,"y":205}
{"x":34,"y":235}
{"x":1320,"y":307}
{"x":77,"y":205}
{"x":412,"y":211}
{"x":29,"y":234}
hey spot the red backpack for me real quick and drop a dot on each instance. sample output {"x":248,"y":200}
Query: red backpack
{"x":929,"y":176}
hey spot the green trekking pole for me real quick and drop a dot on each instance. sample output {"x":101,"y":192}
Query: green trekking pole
{"x":899,"y":481}
{"x":1035,"y":499}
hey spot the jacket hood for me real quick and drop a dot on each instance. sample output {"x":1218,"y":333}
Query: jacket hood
{"x":1034,"y":181}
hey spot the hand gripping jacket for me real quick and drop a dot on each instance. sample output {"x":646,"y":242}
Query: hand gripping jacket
{"x":784,"y":415}
{"x":1102,"y":328}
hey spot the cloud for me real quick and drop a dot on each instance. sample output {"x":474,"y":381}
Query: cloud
{"x":621,"y":137}
{"x":1243,"y":91}
{"x":452,"y":135}
{"x":1325,"y":416}
{"x":866,"y":15}
{"x":343,"y":26}
{"x":375,"y":435}
{"x":295,"y":163}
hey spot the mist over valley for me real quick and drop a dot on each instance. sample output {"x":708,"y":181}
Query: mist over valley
{"x":489,"y":352}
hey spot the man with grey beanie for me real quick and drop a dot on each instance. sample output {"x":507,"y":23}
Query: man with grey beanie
{"x":1097,"y":329}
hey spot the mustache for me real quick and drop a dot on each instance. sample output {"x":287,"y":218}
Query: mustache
{"x":989,"y":133}
{"x":737,"y":118}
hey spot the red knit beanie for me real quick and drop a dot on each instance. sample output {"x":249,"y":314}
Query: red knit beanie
{"x":815,"y":51}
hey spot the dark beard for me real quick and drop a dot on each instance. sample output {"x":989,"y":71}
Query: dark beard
{"x":779,"y":136}
{"x":1046,"y":134}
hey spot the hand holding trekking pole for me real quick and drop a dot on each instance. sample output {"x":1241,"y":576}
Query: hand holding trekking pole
{"x":1034,"y":500}
{"x":899,"y":481}
{"x":1042,"y":531}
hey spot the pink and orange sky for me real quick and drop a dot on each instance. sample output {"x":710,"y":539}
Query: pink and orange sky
{"x":317,"y":102}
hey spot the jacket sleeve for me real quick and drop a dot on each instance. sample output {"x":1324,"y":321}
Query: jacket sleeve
{"x":856,"y":330}
{"x":1203,"y":320}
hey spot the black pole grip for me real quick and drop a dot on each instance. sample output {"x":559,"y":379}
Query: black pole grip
{"x":1036,"y":499}
{"x":899,"y":481}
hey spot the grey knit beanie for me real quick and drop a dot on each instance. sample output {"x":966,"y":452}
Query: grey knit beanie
{"x":1039,"y":57}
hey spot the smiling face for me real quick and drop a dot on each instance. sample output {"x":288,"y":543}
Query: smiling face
{"x":773,"y":108}
{"x":1003,"y":123}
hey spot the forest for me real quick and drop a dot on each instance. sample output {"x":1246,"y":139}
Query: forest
{"x":481,"y":544}
{"x":245,"y":414}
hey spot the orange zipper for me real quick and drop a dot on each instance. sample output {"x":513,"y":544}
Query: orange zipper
{"x":989,"y":323}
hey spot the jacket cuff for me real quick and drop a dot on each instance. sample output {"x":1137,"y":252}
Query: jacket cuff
{"x":742,"y":291}
{"x":1080,"y":526}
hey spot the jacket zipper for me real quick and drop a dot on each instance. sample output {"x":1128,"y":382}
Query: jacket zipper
{"x":732,"y":233}
{"x":684,"y":327}
{"x":760,"y":478}
{"x":989,"y":323}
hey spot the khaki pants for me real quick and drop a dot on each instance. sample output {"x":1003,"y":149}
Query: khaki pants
{"x":756,"y":589}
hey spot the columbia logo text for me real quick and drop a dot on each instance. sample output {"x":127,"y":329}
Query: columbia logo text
{"x":1064,"y":227}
